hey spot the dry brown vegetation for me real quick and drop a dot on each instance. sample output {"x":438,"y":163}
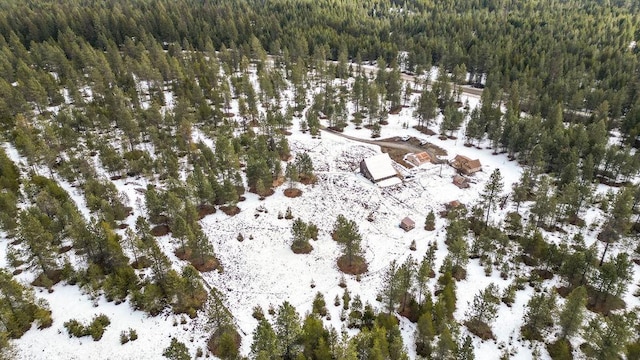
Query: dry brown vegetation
{"x":230,"y":210}
{"x":480,"y":329}
{"x":303,"y":248}
{"x":204,"y":210}
{"x":160,"y":230}
{"x":357,"y":266}
{"x":292,"y":192}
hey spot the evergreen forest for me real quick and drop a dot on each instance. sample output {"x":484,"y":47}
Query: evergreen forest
{"x":135,"y":135}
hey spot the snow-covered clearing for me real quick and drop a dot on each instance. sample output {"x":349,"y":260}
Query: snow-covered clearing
{"x":263,"y":271}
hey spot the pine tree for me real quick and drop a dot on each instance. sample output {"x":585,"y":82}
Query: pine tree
{"x":426,"y":109}
{"x":304,"y":166}
{"x":265,"y":342}
{"x":345,"y":232}
{"x":319,"y":305}
{"x":538,"y":316}
{"x":313,"y":337}
{"x":38,"y":240}
{"x":465,"y":350}
{"x":425,"y":269}
{"x":447,"y":298}
{"x":288,"y":331}
{"x":491,"y":192}
{"x":607,"y":336}
{"x":430,"y":221}
{"x":299,"y":230}
{"x":619,"y":221}
{"x":406,"y":274}
{"x":391,"y":288}
{"x":425,"y":334}
{"x":572,"y":314}
{"x":446,"y":346}
{"x":485,"y":305}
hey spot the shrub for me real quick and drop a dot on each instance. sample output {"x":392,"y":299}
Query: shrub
{"x":42,"y":315}
{"x":124,"y":337}
{"x":258,"y":314}
{"x":95,"y":328}
{"x":560,"y":350}
{"x":149,"y":299}
{"x":75,"y":328}
{"x":176,"y":351}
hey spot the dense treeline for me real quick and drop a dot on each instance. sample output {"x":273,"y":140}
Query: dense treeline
{"x":579,"y":53}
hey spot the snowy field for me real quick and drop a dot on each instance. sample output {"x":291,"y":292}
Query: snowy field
{"x":262,"y":270}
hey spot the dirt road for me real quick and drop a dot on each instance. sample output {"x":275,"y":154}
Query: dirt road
{"x":466,"y":89}
{"x":400,"y":145}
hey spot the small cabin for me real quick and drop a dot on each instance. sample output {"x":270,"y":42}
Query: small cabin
{"x":418,"y":159}
{"x":460,"y":181}
{"x":465,"y":165}
{"x":407,"y":224}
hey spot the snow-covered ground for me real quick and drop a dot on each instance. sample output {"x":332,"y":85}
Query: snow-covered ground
{"x":263,"y":271}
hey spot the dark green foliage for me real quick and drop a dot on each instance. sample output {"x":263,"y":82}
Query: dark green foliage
{"x":225,"y":345}
{"x":346,"y":233}
{"x":126,"y":336}
{"x":288,"y":331}
{"x":176,"y":351}
{"x":383,"y":340}
{"x":120,"y":283}
{"x":34,"y":232}
{"x":483,"y":312}
{"x":19,"y":309}
{"x":9,"y":186}
{"x":319,"y":305}
{"x":613,"y":277}
{"x":95,"y":328}
{"x":567,"y":64}
{"x":425,"y":334}
{"x":149,"y":298}
{"x":539,"y":316}
{"x":300,"y":232}
{"x":446,"y":302}
{"x":103,"y":196}
{"x":75,"y":328}
{"x":491,"y":192}
{"x":571,"y":316}
{"x":314,"y":338}
{"x":304,"y":166}
{"x":391,"y":287}
{"x":264,"y":345}
{"x":430,"y":221}
{"x":607,"y":337}
{"x":560,"y":350}
{"x":426,"y":109}
{"x":633,"y":350}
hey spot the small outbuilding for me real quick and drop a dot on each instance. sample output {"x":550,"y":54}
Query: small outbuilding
{"x":418,"y":159}
{"x":453,"y":205}
{"x":465,"y":165}
{"x":407,"y":224}
{"x":379,"y":170}
{"x":460,"y":181}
